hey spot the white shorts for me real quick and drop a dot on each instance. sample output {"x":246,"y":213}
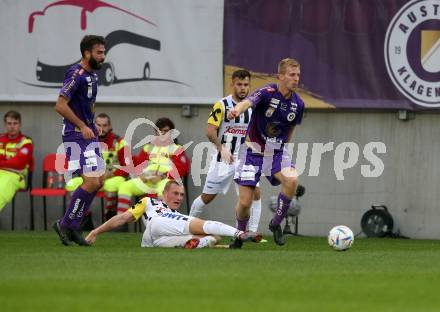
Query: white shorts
{"x":219,"y":178}
{"x":166,"y":232}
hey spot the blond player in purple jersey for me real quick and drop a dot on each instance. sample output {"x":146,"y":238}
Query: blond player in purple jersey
{"x":277,"y":109}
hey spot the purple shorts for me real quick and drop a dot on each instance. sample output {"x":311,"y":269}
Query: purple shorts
{"x":83,"y":156}
{"x":251,"y":166}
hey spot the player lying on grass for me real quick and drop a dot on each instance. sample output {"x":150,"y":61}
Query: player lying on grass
{"x":165,"y":227}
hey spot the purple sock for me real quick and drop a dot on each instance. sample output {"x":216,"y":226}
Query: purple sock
{"x":241,"y":223}
{"x":282,"y":208}
{"x":78,"y":206}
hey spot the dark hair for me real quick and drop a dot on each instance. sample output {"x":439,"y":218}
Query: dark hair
{"x":169,"y":183}
{"x":104,"y":115}
{"x":164,"y":122}
{"x":241,"y":74}
{"x":300,"y":190}
{"x":12,"y":114}
{"x":89,"y":41}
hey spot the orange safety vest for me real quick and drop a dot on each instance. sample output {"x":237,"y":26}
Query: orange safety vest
{"x":9,"y":148}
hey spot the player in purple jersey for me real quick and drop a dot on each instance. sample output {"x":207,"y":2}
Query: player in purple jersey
{"x":76,"y":103}
{"x":277,"y":109}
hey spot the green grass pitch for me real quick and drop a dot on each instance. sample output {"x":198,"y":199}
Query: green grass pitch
{"x":38,"y":274}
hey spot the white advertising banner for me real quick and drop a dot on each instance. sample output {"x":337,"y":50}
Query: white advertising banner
{"x":158,"y":51}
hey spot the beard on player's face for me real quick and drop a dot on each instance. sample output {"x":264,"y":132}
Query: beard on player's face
{"x":94,"y":63}
{"x":241,"y":95}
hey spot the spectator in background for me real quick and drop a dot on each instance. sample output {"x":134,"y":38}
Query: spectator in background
{"x":165,"y":160}
{"x":15,"y":158}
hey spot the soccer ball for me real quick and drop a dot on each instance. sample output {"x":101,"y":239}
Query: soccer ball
{"x":340,"y":238}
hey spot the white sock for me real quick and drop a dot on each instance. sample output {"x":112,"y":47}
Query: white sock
{"x":254,"y":219}
{"x":206,"y":242}
{"x":221,"y":229}
{"x":197,"y":207}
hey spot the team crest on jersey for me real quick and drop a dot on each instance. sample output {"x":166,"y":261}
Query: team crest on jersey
{"x":412,"y":52}
{"x":272,"y":107}
{"x":269,"y":112}
{"x":291,"y":116}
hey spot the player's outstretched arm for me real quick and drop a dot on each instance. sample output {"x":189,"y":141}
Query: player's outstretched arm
{"x":111,"y":224}
{"x":239,"y":109}
{"x":64,"y":110}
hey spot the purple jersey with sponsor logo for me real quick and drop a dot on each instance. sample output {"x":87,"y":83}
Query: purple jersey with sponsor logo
{"x":80,"y":88}
{"x":273,"y":116}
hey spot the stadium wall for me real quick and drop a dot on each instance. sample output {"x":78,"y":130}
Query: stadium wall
{"x":408,"y":185}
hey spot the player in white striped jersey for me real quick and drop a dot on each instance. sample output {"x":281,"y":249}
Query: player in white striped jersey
{"x":227,"y":136}
{"x":166,"y":227}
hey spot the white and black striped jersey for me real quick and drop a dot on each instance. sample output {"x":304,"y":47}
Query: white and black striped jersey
{"x":232,"y":133}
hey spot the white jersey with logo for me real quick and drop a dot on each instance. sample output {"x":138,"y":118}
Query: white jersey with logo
{"x":164,"y":227}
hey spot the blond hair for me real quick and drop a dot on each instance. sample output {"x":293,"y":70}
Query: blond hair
{"x":284,"y":63}
{"x":170,"y":183}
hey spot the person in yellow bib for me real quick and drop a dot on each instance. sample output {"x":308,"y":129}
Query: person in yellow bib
{"x":112,"y":146}
{"x":165,"y":160}
{"x":15,"y":158}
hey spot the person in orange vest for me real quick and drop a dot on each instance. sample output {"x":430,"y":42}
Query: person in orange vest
{"x":15,"y":158}
{"x":113,"y":154}
{"x":165,"y":160}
